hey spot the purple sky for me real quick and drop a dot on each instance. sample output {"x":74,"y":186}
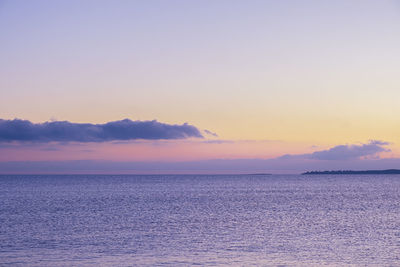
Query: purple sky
{"x":199,"y":86}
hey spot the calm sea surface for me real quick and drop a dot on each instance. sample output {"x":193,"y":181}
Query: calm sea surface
{"x":163,"y":220}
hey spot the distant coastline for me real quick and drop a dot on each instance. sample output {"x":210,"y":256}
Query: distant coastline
{"x":344,"y":172}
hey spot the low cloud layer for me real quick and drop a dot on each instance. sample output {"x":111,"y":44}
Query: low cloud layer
{"x":63,"y":131}
{"x":345,"y":152}
{"x":342,"y":157}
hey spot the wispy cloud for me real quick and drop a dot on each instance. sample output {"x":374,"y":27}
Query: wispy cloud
{"x":211,"y":133}
{"x":63,"y":131}
{"x":345,"y":152}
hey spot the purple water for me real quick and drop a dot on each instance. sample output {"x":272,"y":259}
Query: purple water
{"x":183,"y":220}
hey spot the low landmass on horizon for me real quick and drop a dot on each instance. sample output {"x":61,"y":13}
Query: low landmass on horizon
{"x":389,"y":171}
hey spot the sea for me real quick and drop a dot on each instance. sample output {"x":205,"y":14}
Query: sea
{"x":200,"y":220}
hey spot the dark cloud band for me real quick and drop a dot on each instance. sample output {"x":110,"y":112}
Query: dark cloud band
{"x":63,"y":131}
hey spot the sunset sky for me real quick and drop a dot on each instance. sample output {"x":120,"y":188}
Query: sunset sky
{"x":199,"y":86}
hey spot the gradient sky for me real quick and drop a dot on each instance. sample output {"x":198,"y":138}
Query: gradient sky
{"x":269,"y":77}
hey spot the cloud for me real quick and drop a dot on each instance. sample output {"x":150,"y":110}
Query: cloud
{"x":342,"y":157}
{"x":345,"y":152}
{"x":211,"y":133}
{"x":63,"y":131}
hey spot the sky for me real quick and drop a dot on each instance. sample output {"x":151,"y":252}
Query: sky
{"x":198,"y":86}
